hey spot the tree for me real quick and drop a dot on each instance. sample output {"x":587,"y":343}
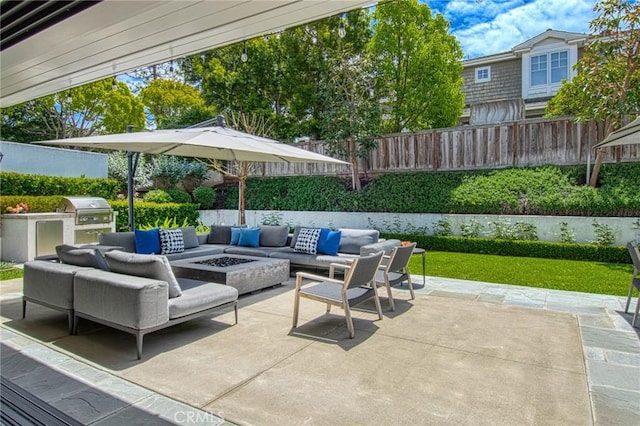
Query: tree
{"x":281,"y":77}
{"x":169,"y":99}
{"x":607,"y":84}
{"x":419,"y":66}
{"x":241,"y":170}
{"x":352,"y":116}
{"x":82,"y":111}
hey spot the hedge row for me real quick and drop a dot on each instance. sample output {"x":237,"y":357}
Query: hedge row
{"x":26,"y":184}
{"x":547,"y":190}
{"x":36,"y":204}
{"x":542,"y":249}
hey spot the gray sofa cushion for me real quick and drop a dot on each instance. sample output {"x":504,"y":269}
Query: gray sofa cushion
{"x":190,"y":237}
{"x":219,"y":234}
{"x":133,"y":302}
{"x":385,"y":246}
{"x":126,"y":240}
{"x":203,"y":250}
{"x":86,"y":256}
{"x":316,"y":261}
{"x":353,"y":239}
{"x":144,"y":265}
{"x":273,"y":236}
{"x":294,"y":238}
{"x":50,"y":283}
{"x":198,"y":296}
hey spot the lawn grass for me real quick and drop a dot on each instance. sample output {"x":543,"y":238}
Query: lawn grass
{"x":570,"y":275}
{"x":8,"y":271}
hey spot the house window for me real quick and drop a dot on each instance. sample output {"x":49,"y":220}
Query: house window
{"x":559,"y":64}
{"x":549,"y":68}
{"x":538,"y":70}
{"x":483,"y":74}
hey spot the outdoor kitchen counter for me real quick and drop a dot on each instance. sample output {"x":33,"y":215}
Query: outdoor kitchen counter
{"x":20,"y":239}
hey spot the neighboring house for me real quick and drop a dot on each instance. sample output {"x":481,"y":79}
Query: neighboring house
{"x":517,"y":84}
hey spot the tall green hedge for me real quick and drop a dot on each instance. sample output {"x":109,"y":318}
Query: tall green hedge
{"x":34,"y":185}
{"x":546,"y":190}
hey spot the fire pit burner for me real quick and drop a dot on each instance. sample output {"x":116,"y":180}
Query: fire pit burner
{"x":224,"y":262}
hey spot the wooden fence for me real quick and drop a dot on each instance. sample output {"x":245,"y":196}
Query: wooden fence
{"x":523,"y":143}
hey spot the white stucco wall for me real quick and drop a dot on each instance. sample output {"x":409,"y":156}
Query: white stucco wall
{"x":548,"y":227}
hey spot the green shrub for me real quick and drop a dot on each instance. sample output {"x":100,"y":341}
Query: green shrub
{"x":27,"y":184}
{"x":543,"y":249}
{"x":179,"y":196}
{"x":204,"y":196}
{"x":157,"y":196}
{"x":148,"y":213}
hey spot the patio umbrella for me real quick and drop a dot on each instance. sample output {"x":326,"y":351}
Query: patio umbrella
{"x":626,"y":135}
{"x":221,"y":143}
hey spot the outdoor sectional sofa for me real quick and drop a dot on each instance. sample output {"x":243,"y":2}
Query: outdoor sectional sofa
{"x":138,"y":294}
{"x":273,"y":241}
{"x":109,"y":283}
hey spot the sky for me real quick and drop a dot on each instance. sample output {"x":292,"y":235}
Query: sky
{"x":484,"y":27}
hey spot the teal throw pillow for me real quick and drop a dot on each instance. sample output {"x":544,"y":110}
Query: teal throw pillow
{"x":235,"y":236}
{"x":249,"y":237}
{"x":329,"y":241}
{"x":147,"y":241}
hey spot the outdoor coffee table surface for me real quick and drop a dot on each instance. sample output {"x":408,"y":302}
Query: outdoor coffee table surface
{"x":246,"y":273}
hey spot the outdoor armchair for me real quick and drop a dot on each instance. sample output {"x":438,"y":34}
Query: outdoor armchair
{"x":395,"y":270}
{"x":356,"y":287}
{"x":635,"y":281}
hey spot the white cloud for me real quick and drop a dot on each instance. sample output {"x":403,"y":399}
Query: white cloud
{"x":507,"y":26}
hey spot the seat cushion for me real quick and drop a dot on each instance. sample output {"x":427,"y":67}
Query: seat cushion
{"x":352,"y":239}
{"x":333,"y":292}
{"x":219,"y":234}
{"x":86,"y":256}
{"x":144,"y":265}
{"x":273,"y":236}
{"x":123,"y":239}
{"x":198,"y":296}
{"x":190,"y":237}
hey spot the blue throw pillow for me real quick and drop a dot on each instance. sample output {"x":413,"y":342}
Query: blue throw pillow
{"x":147,"y":242}
{"x":235,"y":236}
{"x":329,"y":241}
{"x":249,"y":237}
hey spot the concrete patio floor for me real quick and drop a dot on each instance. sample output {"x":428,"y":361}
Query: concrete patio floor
{"x":461,"y":353}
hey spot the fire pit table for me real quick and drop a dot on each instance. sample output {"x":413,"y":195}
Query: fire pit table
{"x":245,"y":273}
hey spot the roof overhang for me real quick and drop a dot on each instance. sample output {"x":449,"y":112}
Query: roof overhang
{"x":115,"y":36}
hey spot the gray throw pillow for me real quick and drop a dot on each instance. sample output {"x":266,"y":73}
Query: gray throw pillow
{"x":81,"y":256}
{"x":219,"y":234}
{"x":122,"y":239}
{"x":144,"y":265}
{"x":294,"y":239}
{"x":352,"y":239}
{"x":273,"y":236}
{"x":190,"y":237}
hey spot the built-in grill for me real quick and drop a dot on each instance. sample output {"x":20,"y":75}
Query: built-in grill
{"x":93,"y":215}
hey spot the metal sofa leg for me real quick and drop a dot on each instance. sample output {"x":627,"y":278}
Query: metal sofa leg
{"x":235,"y":308}
{"x":71,"y":321}
{"x":74,"y":331}
{"x":24,"y":307}
{"x":139,"y":338}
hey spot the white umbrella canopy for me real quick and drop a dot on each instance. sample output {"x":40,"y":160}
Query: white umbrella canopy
{"x":626,"y":135}
{"x":220,"y":143}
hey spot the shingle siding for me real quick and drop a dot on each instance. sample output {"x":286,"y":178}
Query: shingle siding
{"x":506,"y":82}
